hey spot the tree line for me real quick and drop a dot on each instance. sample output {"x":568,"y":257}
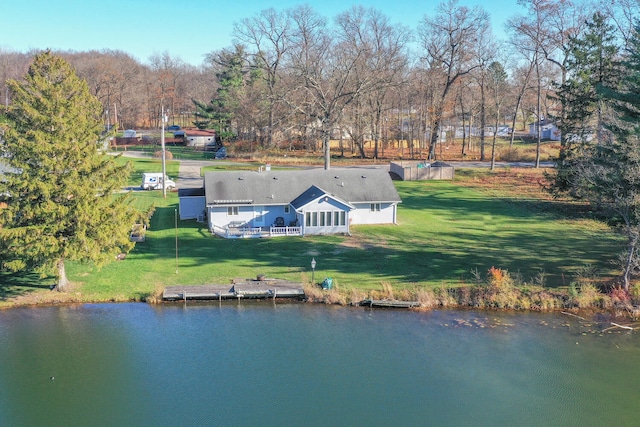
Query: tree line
{"x":296,"y":78}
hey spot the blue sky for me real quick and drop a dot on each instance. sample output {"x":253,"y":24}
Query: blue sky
{"x":187,"y":29}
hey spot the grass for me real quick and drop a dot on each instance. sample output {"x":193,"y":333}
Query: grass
{"x":446,"y":232}
{"x":145,"y":165}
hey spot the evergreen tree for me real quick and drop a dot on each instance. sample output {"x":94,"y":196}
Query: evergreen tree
{"x":61,"y":191}
{"x":593,"y":64}
{"x":607,"y":173}
{"x":232,"y":76}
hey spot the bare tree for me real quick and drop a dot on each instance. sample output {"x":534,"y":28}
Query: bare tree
{"x":383,"y":61}
{"x":485,"y":56}
{"x":163,"y":86}
{"x":449,"y":40}
{"x":268,"y":37}
{"x":13,"y":65}
{"x":324,"y":68}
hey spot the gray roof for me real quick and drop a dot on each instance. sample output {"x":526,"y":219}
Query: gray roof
{"x":277,"y":187}
{"x":190,"y":192}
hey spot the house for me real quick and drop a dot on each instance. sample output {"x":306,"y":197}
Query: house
{"x":548,"y":130}
{"x":296,"y":202}
{"x":199,"y":138}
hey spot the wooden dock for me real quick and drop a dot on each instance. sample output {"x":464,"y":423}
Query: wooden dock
{"x":389,"y":303}
{"x":240,"y":289}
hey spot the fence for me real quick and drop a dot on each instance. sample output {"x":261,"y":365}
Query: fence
{"x":420,"y":170}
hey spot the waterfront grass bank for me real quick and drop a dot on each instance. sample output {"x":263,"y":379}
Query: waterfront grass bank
{"x":449,"y":235}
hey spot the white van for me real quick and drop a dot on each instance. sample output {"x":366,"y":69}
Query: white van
{"x":153,"y":181}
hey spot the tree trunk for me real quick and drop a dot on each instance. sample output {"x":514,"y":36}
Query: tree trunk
{"x":63,"y":282}
{"x":630,"y":261}
{"x":326,"y":137}
{"x":483,"y":121}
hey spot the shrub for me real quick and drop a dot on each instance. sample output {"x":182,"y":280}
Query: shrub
{"x":427,"y":298}
{"x":634,"y":293}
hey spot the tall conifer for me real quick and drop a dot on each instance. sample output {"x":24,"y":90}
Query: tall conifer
{"x":61,"y":190}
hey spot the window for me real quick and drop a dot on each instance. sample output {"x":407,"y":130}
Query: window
{"x":375,"y":207}
{"x":232,"y":210}
{"x":322,"y":221}
{"x":311,"y":219}
{"x":328,"y":219}
{"x":286,"y":209}
{"x":336,"y":218}
{"x":343,"y":217}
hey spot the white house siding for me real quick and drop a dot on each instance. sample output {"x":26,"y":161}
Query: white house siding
{"x":192,"y":207}
{"x":325,"y":217}
{"x":200,"y":141}
{"x":249,"y":215}
{"x":363,"y":214}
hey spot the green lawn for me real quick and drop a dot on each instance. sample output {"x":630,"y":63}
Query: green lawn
{"x":445,"y":231}
{"x":141,"y":166}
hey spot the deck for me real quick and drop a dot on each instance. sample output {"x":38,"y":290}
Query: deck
{"x":239,"y":289}
{"x":255,"y":232}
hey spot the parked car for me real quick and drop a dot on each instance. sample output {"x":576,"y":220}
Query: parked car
{"x":173,"y":128}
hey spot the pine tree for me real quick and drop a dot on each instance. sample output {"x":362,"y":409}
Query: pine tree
{"x":607,"y":173}
{"x":61,"y":192}
{"x":593,"y":65}
{"x":232,"y":76}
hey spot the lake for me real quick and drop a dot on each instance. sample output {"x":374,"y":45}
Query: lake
{"x":275,"y":364}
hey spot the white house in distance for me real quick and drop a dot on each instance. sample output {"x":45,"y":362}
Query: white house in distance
{"x":548,"y":130}
{"x":199,"y":138}
{"x":292,"y":202}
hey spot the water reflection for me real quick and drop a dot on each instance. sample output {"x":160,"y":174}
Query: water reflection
{"x":298,"y":364}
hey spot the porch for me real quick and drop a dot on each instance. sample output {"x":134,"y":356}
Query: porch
{"x":242,"y":232}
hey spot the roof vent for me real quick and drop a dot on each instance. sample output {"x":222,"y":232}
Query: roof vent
{"x":364,"y":176}
{"x":275,"y":177}
{"x":342,"y":184}
{"x":240,"y":178}
{"x":336,"y":177}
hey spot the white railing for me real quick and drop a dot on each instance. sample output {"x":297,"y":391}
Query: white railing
{"x":245,"y":232}
{"x":285,"y":231}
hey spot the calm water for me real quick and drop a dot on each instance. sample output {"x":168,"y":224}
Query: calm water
{"x":294,"y":364}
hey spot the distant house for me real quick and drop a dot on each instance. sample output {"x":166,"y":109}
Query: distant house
{"x":300,"y":202}
{"x":548,"y":130}
{"x":199,"y":138}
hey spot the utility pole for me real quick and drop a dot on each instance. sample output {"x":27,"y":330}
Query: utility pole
{"x":164,"y":162}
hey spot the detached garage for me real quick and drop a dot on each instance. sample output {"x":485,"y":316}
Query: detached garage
{"x":192,"y":202}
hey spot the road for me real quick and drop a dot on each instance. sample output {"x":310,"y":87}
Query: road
{"x":189,"y":172}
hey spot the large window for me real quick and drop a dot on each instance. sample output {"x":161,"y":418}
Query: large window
{"x":232,"y":210}
{"x":311,"y":219}
{"x":325,"y":219}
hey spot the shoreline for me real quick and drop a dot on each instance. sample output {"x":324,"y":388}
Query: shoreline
{"x":475,"y":297}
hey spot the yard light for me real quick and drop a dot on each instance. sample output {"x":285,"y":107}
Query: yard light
{"x":313,"y":269}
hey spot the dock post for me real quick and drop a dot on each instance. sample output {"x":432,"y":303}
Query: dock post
{"x":275,"y":293}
